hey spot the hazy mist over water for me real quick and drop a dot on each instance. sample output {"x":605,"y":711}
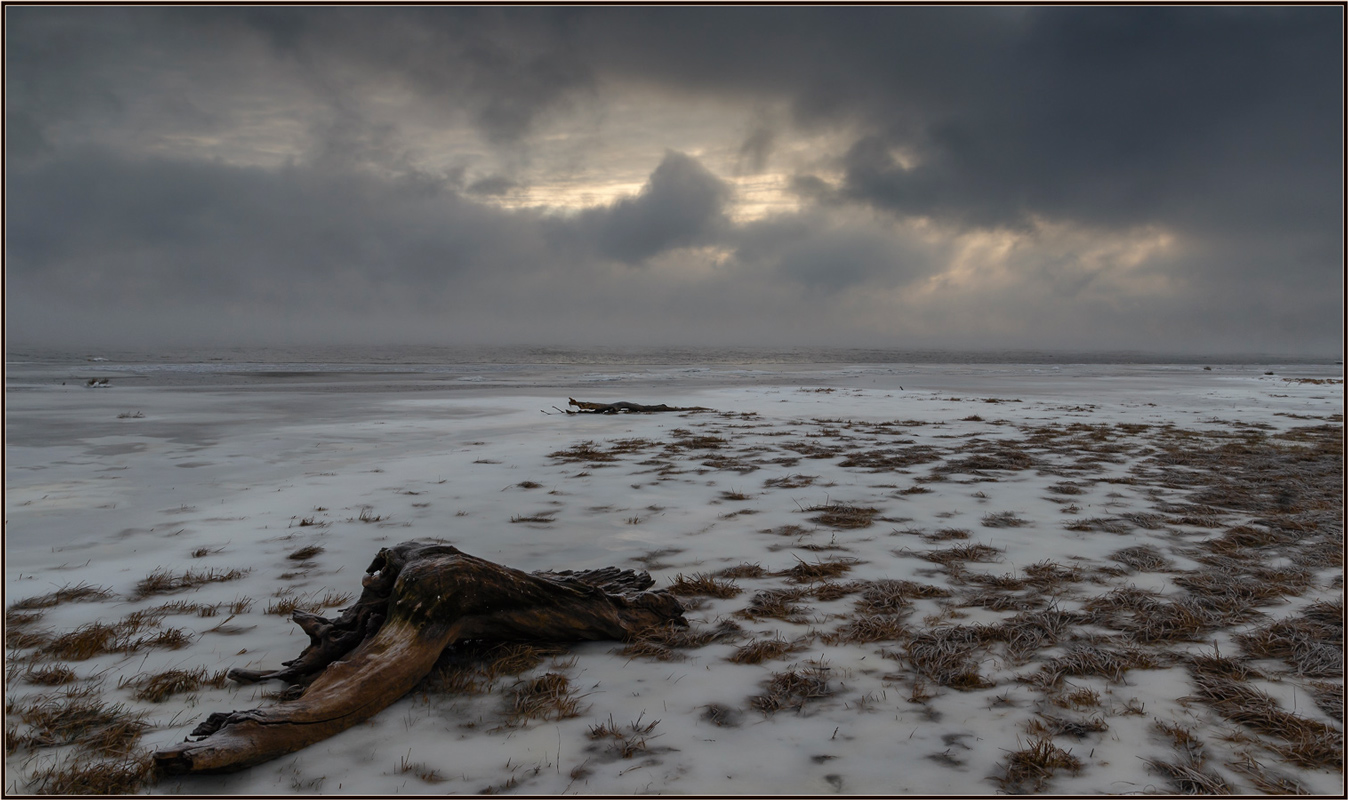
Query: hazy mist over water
{"x":318,"y":358}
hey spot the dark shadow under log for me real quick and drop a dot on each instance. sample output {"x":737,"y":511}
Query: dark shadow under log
{"x":418,"y":598}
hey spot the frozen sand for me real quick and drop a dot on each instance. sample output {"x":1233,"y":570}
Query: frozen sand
{"x":231,"y":465}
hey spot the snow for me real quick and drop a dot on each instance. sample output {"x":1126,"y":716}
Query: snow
{"x":231,"y":467}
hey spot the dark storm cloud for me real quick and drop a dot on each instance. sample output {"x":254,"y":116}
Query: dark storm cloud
{"x":1221,"y":126}
{"x":682,"y":204}
{"x":508,"y":66}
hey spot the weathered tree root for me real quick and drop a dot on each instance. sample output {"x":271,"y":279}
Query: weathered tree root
{"x":418,"y":598}
{"x":623,"y":408}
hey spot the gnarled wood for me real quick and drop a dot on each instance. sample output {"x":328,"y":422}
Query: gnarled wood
{"x":623,"y":408}
{"x":418,"y":598}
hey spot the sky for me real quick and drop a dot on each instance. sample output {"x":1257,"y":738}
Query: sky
{"x":1094,"y":178}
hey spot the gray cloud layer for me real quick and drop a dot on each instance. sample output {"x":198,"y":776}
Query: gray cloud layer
{"x":1077,"y":135}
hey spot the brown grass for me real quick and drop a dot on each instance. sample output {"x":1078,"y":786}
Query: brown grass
{"x":870,"y":628}
{"x":702,"y":585}
{"x":474,"y":667}
{"x":1307,"y":742}
{"x":838,"y":515}
{"x":1311,"y":644}
{"x":1142,"y":557}
{"x":54,"y":675}
{"x":766,"y":650}
{"x":585,"y":451}
{"x":1092,"y":661}
{"x":83,"y":721}
{"x":163,"y":581}
{"x":67,"y":594}
{"x":1030,"y":769}
{"x":161,"y":686}
{"x":946,"y":534}
{"x":775,"y":604}
{"x":804,"y":572}
{"x":790,"y":482}
{"x":1003,"y":519}
{"x":661,"y":642}
{"x":744,"y":570}
{"x":793,"y":689}
{"x":97,"y":638}
{"x":1274,"y":783}
{"x":1048,"y":725}
{"x":549,"y":696}
{"x":625,"y":741}
{"x":77,"y":776}
{"x":305,"y":553}
{"x":968,"y":552}
{"x":946,"y":655}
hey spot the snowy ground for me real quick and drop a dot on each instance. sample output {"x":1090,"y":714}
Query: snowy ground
{"x":1046,"y":519}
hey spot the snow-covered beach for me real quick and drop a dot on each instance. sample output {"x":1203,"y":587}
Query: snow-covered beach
{"x":953,"y":565}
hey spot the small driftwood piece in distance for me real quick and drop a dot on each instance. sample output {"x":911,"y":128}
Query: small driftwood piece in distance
{"x":418,"y":598}
{"x":622,"y":408}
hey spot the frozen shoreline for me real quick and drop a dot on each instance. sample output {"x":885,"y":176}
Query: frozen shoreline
{"x":231,"y":464}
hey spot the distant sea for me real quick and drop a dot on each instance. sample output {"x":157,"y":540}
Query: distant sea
{"x":347,"y":356}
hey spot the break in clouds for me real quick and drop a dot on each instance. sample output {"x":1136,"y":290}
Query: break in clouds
{"x":1162,"y":179}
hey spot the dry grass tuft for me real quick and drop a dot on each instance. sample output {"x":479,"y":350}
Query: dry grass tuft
{"x":775,"y":604}
{"x":703,"y":585}
{"x":968,"y":552}
{"x":585,"y":451}
{"x":660,"y":642}
{"x":838,"y":515}
{"x":1029,"y":770}
{"x":871,"y":628}
{"x":474,"y":667}
{"x":804,"y":572}
{"x":1329,"y":697}
{"x":766,"y":650}
{"x":793,"y":688}
{"x":1028,"y":633}
{"x":97,"y":638}
{"x":161,"y":686}
{"x":1067,"y":488}
{"x":54,"y":675}
{"x":1091,"y":661}
{"x":66,"y":594}
{"x":1311,"y":644}
{"x":946,"y":655}
{"x":305,"y":553}
{"x":722,"y":716}
{"x":1307,"y":742}
{"x":1046,"y":726}
{"x":1265,"y":781}
{"x":790,"y":482}
{"x":81,"y":720}
{"x":1003,"y":519}
{"x":163,"y":581}
{"x":1189,"y":778}
{"x":1143,"y":557}
{"x":549,"y":696}
{"x":76,"y":776}
{"x":1220,"y":667}
{"x":1049,"y":574}
{"x":946,"y":534}
{"x":625,"y":741}
{"x":744,"y":570}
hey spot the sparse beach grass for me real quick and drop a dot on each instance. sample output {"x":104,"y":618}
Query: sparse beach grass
{"x":1200,"y":565}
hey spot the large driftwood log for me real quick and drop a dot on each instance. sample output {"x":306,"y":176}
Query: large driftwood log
{"x":418,"y":599}
{"x":622,"y":408}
